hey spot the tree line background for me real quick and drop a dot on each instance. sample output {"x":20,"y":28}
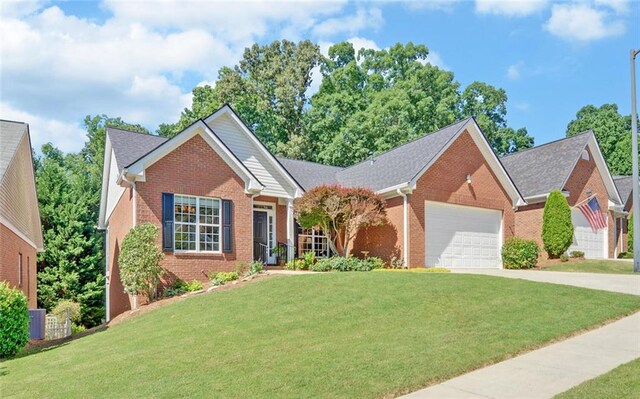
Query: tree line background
{"x":369,"y":101}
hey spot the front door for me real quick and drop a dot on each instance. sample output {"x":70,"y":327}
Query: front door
{"x":260,"y":236}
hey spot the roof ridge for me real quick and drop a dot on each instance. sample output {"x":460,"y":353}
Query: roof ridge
{"x":310,"y":162}
{"x":131,"y":131}
{"x":550,"y":142}
{"x":411,"y":141}
{"x":12,"y":121}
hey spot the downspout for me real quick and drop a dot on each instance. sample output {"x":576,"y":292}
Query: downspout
{"x":132,"y":183}
{"x":405,"y":227}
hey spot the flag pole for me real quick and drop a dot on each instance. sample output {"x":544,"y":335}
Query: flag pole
{"x":634,"y":166}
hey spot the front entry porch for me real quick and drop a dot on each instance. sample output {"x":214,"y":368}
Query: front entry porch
{"x":273,"y":230}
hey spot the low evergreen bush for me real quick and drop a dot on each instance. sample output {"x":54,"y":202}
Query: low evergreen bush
{"x":60,"y":311}
{"x":347,"y":264}
{"x":557,"y":227}
{"x":576,"y":254}
{"x":564,"y":258}
{"x":518,"y":253}
{"x":14,"y":320}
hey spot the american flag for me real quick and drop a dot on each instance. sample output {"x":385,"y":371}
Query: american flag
{"x":596,"y":218}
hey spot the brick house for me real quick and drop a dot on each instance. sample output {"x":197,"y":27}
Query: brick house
{"x":20,"y":228}
{"x":576,"y":167}
{"x":219,"y":196}
{"x":625,"y":188}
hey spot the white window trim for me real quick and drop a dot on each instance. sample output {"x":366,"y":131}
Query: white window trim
{"x":313,"y":235}
{"x":197,"y":224}
{"x":20,"y":270}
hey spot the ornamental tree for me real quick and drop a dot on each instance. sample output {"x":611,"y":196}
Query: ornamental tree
{"x":557,"y":227}
{"x":139,"y":261}
{"x":340,"y":212}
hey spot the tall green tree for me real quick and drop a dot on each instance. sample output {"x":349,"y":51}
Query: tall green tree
{"x":71,"y":267}
{"x":612,"y":130}
{"x":557,"y":227}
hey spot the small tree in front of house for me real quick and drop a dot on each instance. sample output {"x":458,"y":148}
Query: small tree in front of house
{"x":557,"y":227}
{"x":630,"y":235}
{"x":139,"y":261}
{"x":340,"y":212}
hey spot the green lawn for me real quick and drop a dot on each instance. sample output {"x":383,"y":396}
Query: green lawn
{"x":317,"y":335}
{"x":593,"y":266}
{"x":620,"y":383}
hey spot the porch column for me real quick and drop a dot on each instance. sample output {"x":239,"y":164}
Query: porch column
{"x":290,"y":230}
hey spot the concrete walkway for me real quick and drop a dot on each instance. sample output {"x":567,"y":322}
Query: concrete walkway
{"x":624,"y":283}
{"x":548,"y":371}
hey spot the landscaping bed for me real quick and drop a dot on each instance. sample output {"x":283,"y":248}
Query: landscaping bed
{"x":316,"y":335}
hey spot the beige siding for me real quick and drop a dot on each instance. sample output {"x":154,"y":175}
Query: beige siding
{"x":18,"y":200}
{"x":246,"y":150}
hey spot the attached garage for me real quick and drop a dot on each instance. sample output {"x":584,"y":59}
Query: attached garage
{"x":462,"y":236}
{"x":593,"y":244}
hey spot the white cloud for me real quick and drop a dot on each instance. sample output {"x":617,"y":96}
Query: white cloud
{"x":434,"y":58}
{"x":435,"y":5}
{"x":68,"y":137}
{"x":351,"y":24}
{"x":513,"y":72}
{"x":361,"y":42}
{"x":514,"y":8}
{"x":56,"y":68}
{"x":619,"y":6}
{"x":581,"y":22}
{"x":522,"y":106}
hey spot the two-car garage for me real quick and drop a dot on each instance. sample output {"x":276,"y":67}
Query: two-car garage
{"x":462,"y":236}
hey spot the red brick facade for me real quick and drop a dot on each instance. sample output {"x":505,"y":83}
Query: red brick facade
{"x":584,"y":179}
{"x":120,"y":223}
{"x":444,"y":181}
{"x":12,"y":249}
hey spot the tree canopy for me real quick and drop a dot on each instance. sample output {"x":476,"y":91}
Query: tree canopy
{"x":369,"y":101}
{"x":612,"y":130}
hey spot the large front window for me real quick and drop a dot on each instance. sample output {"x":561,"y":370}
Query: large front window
{"x":313,"y":240}
{"x":197,"y":224}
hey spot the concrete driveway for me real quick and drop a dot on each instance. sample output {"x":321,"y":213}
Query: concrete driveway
{"x":624,"y":283}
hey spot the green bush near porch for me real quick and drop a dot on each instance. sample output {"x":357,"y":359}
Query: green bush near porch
{"x":557,"y":227}
{"x":518,"y":253}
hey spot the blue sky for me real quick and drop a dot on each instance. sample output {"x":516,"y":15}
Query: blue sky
{"x":139,"y":60}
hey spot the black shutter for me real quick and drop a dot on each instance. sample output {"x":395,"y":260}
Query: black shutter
{"x":167,"y":221}
{"x":227,"y":226}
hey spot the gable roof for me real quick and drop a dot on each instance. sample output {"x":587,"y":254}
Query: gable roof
{"x":310,"y":174}
{"x":401,"y":164}
{"x":129,"y":146}
{"x":624,"y":186}
{"x":10,"y":139}
{"x":542,"y":169}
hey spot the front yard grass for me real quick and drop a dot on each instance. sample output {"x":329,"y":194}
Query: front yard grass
{"x":620,"y":383}
{"x":593,"y":266}
{"x":338,"y":335}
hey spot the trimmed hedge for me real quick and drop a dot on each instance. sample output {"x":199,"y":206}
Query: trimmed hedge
{"x":417,"y":270}
{"x":518,"y":253}
{"x":347,"y":264}
{"x":557,"y":227}
{"x":14,"y":320}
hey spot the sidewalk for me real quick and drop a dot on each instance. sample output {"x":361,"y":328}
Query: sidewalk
{"x":548,"y":371}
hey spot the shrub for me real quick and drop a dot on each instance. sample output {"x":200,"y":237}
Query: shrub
{"x":630,"y":235}
{"x":60,"y":311}
{"x":139,"y":260}
{"x":295,"y":264}
{"x":518,"y":253}
{"x":14,"y":320}
{"x":193,"y":286}
{"x":397,"y":263}
{"x":625,"y":255}
{"x":77,"y":328}
{"x":255,"y":267}
{"x":564,"y":258}
{"x":240,"y":268}
{"x":557,"y":228}
{"x":347,"y":264}
{"x":225,"y":276}
{"x":576,"y":254}
{"x":309,"y":259}
{"x":173,"y":291}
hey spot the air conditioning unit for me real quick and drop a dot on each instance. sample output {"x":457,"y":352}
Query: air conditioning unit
{"x":37,"y":318}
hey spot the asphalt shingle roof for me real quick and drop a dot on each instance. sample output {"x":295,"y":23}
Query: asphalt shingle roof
{"x":310,"y":174}
{"x":542,"y":169}
{"x":11,"y":134}
{"x":401,"y":164}
{"x":128,"y":146}
{"x":624,"y":186}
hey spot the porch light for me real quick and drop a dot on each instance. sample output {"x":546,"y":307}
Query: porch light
{"x":468,"y":178}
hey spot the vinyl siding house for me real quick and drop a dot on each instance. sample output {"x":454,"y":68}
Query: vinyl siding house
{"x":625,"y":189}
{"x":20,"y":228}
{"x":219,"y":196}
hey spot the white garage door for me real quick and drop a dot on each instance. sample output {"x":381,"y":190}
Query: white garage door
{"x":585,"y":240}
{"x":462,"y":236}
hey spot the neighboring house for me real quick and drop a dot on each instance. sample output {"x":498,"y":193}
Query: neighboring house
{"x":20,"y":228}
{"x":575,"y":166}
{"x":625,"y":188}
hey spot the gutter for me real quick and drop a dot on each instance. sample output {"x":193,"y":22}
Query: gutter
{"x":405,"y":227}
